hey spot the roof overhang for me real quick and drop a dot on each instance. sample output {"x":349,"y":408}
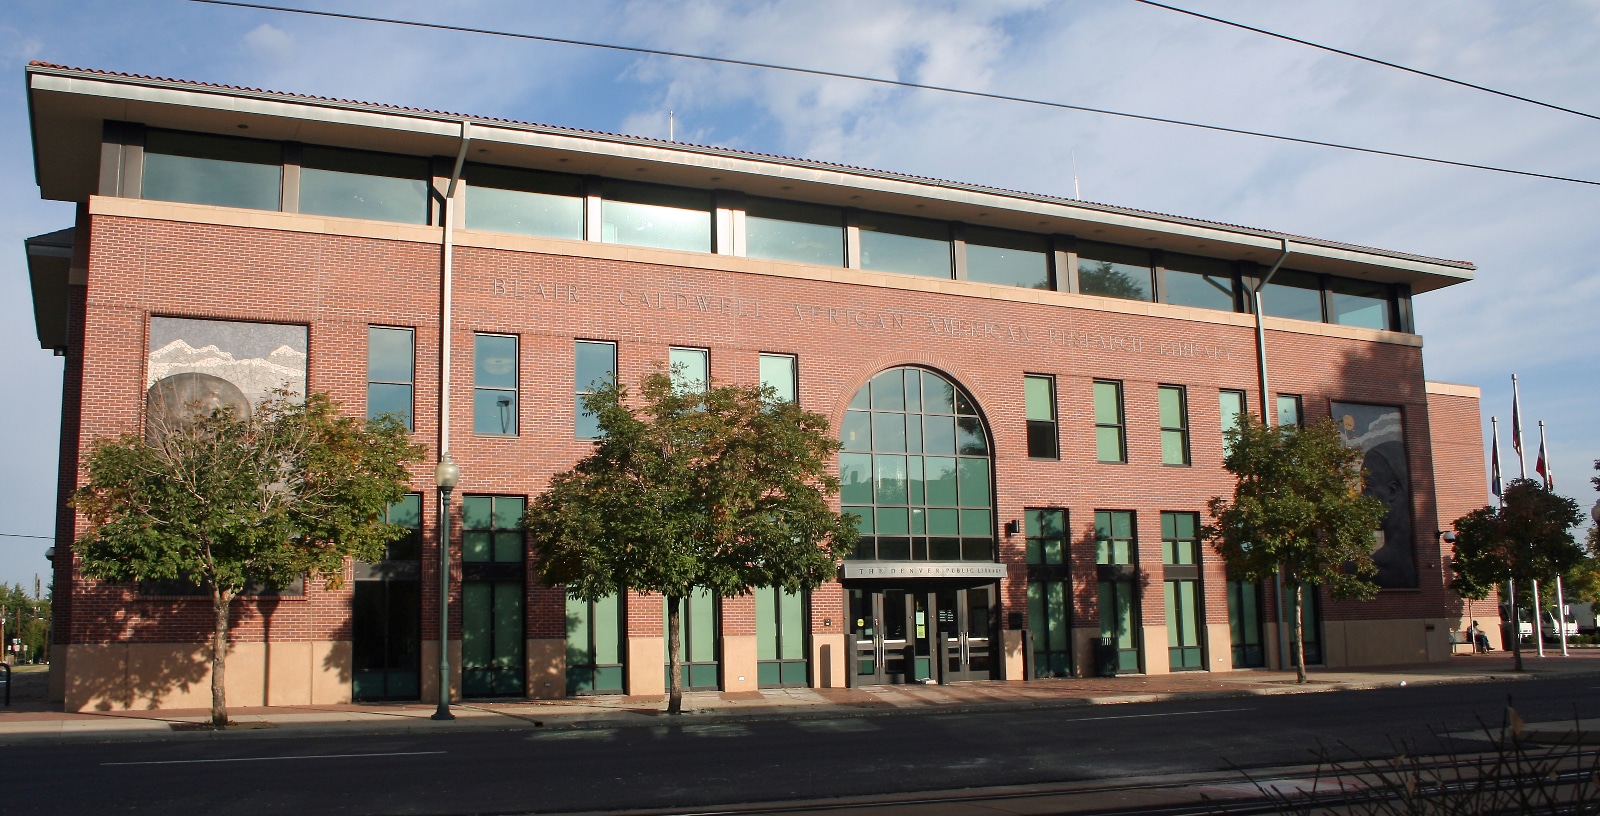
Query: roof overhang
{"x":49,"y":278}
{"x":69,"y":106}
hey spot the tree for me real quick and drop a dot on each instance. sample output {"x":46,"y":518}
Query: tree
{"x":1104,"y":278}
{"x":1298,"y":510}
{"x":1527,"y":538}
{"x":228,"y":502}
{"x":722,"y":489}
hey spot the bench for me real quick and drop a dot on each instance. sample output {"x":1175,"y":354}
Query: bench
{"x":1459,"y":638}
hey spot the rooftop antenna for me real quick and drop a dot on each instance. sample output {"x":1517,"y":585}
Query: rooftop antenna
{"x":1076,"y":195}
{"x":670,"y":127}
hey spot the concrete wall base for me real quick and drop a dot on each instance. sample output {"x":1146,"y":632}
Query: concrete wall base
{"x":147,"y":676}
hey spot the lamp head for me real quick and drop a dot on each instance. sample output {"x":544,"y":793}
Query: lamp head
{"x":446,"y":474}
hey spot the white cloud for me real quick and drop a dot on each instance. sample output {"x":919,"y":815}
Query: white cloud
{"x":269,"y":42}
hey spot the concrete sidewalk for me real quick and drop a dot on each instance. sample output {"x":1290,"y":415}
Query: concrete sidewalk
{"x":32,"y":719}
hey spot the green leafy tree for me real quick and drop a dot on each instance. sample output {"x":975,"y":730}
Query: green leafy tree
{"x":26,"y":619}
{"x":1297,"y":510}
{"x":721,"y":489}
{"x":1527,"y":538}
{"x":1103,"y":278}
{"x":228,"y":502}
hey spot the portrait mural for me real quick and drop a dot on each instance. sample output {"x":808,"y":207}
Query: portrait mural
{"x":197,"y":366}
{"x":1377,"y":430}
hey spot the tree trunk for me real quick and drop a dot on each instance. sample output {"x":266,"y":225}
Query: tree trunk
{"x":219,"y":652}
{"x":1299,"y":635}
{"x":674,"y":658}
{"x":1516,"y":630}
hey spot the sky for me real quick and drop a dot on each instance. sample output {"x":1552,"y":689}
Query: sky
{"x":1530,"y":310}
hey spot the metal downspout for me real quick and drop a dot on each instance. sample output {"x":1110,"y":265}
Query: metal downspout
{"x":447,"y":247}
{"x":1266,"y":419}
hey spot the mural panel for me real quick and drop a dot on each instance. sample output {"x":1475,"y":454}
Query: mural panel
{"x":197,"y":366}
{"x":1378,"y":431}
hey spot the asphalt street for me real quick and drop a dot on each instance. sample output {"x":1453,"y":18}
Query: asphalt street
{"x":688,"y":764}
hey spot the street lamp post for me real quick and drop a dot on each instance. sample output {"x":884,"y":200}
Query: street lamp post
{"x":445,"y":476}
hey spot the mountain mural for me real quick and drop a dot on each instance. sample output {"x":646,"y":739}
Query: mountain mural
{"x":257,"y":377}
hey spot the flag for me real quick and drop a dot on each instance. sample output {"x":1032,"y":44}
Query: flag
{"x":1516,"y":425}
{"x":1494,"y":455}
{"x":1542,"y":466}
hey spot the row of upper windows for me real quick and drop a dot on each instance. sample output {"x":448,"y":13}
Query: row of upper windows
{"x":1048,"y":542}
{"x":236,"y":172}
{"x":391,"y":390}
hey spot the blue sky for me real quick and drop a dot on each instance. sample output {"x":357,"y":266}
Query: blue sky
{"x":1531,"y":309}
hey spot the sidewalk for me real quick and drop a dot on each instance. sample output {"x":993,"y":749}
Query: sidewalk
{"x":32,"y":719}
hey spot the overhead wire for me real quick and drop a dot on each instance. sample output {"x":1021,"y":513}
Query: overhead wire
{"x":1374,"y":60}
{"x":904,"y":84}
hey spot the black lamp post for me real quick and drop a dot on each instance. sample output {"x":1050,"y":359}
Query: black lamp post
{"x":445,"y":476}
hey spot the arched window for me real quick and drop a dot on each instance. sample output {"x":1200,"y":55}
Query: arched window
{"x":916,"y":468}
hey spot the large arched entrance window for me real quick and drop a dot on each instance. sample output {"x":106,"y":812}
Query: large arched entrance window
{"x":916,"y":467}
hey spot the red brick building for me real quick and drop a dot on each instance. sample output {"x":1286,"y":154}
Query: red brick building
{"x":1032,"y":393}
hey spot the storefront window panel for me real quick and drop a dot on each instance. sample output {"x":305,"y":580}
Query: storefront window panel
{"x":792,"y":231}
{"x":361,"y":184}
{"x":595,"y":635}
{"x":1008,"y":258}
{"x":524,"y":202}
{"x":780,"y":638}
{"x":221,"y":171}
{"x":910,"y":246}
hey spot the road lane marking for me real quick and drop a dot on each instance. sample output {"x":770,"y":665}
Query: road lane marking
{"x":1168,"y":714}
{"x":272,"y":759}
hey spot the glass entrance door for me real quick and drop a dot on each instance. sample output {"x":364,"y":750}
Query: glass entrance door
{"x":909,"y":636}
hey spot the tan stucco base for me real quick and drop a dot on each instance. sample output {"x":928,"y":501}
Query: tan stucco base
{"x":1219,"y":647}
{"x":546,"y":665}
{"x":1154,"y":643}
{"x":645,"y":657}
{"x":739,"y":663}
{"x":1012,"y":665}
{"x":1385,"y":642}
{"x":430,"y":671}
{"x":829,"y":660}
{"x":142,"y":676}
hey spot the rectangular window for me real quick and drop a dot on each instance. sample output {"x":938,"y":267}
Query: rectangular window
{"x":390,"y":373}
{"x":596,"y":364}
{"x":648,"y":215}
{"x":1174,"y":425}
{"x":1184,"y":652}
{"x":1361,"y":303}
{"x":1180,"y":539}
{"x":494,"y":385}
{"x":910,"y":246}
{"x":1108,"y":270}
{"x":780,"y":372}
{"x":1049,"y":590}
{"x":525,"y":202}
{"x":1110,"y":441}
{"x":1008,"y":258}
{"x":1289,"y":410}
{"x":1116,"y":554}
{"x":1193,"y":281}
{"x":1235,"y":408}
{"x":1295,"y":295}
{"x":493,"y":569}
{"x":698,"y":636}
{"x":386,"y":614}
{"x":691,"y":369}
{"x":1244,"y":624}
{"x":596,"y":636}
{"x":223,"y":171}
{"x":361,"y":184}
{"x":780,"y":638}
{"x":1039,"y":394}
{"x":791,"y":231}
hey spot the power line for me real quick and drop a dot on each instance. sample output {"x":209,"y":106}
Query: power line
{"x":903,"y":84}
{"x":19,"y":535}
{"x":1374,"y":60}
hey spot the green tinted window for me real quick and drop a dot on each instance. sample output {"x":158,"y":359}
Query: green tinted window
{"x":660,"y":217}
{"x":1114,"y":271}
{"x":1109,"y":441}
{"x":526,"y":202}
{"x":1046,"y":532}
{"x":1295,"y":295}
{"x":494,"y":391}
{"x":691,"y":368}
{"x":595,"y":365}
{"x":1360,"y":303}
{"x":1113,"y":531}
{"x":1233,"y":408}
{"x":910,"y":246}
{"x":1174,"y":425}
{"x":222,"y":171}
{"x":390,"y":372}
{"x":1289,"y":409}
{"x":791,"y":231}
{"x":360,"y":184}
{"x":1203,"y":282}
{"x":1009,"y":258}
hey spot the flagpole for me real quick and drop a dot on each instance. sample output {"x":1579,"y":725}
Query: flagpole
{"x":1548,"y":473}
{"x":1511,"y":585}
{"x":1522,"y":468}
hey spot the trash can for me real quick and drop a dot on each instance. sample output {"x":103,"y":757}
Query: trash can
{"x":1106,"y":658}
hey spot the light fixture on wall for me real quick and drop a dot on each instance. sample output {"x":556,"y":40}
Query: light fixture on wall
{"x":1012,"y":527}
